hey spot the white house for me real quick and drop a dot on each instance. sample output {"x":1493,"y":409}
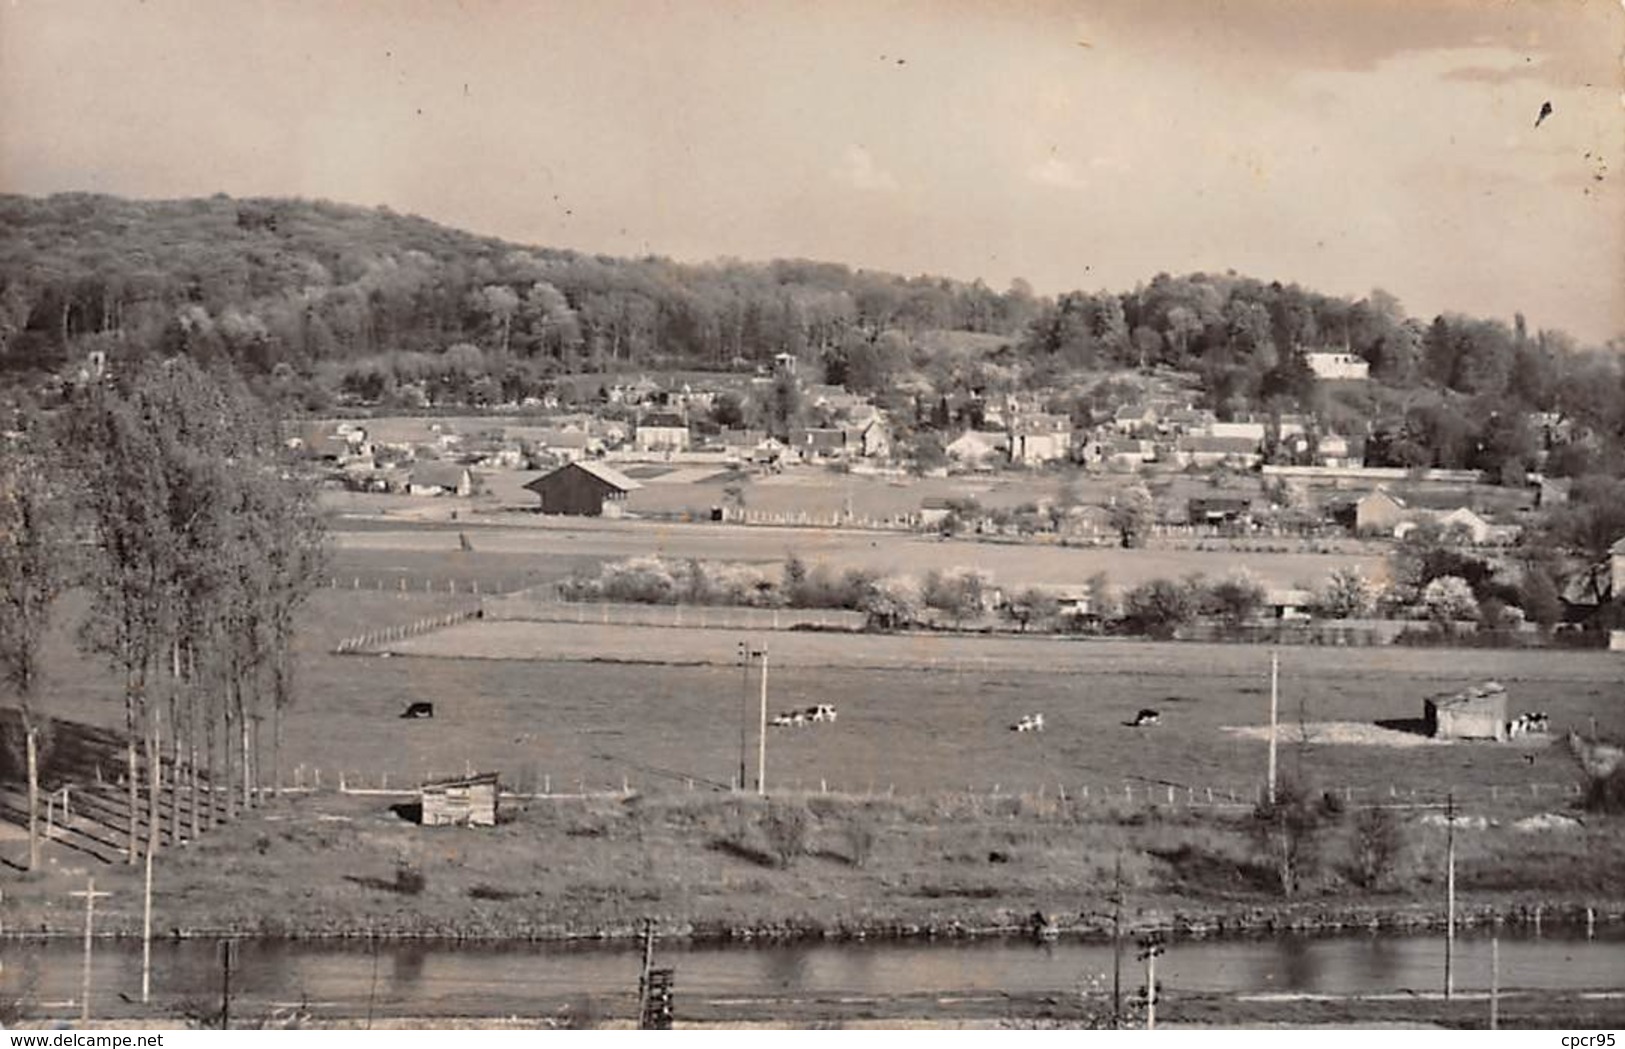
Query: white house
{"x":1338,"y":366}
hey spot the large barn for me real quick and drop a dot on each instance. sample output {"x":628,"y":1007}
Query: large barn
{"x":1479,"y":712}
{"x":583,"y":489}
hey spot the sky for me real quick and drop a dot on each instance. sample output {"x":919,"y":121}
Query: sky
{"x":1342,"y":144}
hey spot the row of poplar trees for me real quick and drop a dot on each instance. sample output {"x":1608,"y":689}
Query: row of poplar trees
{"x":164,"y":494}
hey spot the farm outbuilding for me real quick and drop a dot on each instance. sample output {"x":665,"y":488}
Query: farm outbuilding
{"x":1479,"y":712}
{"x":469,"y":801}
{"x":584,"y":489}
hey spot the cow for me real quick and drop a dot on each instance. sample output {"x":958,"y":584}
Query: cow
{"x":1145,"y":717}
{"x":821,"y":712}
{"x":1029,"y":723}
{"x":1534,"y":721}
{"x":418,"y":710}
{"x":790,"y":718}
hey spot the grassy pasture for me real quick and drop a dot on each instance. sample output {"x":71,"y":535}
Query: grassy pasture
{"x":572,"y":704}
{"x":574,"y":541}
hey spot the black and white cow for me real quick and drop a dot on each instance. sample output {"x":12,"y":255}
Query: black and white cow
{"x":418,"y":710}
{"x":1029,"y":723}
{"x":1146,"y":717}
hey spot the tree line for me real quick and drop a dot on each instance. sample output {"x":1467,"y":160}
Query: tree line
{"x":314,"y":301}
{"x":164,"y":497}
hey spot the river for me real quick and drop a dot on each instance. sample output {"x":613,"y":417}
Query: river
{"x":428,"y":979}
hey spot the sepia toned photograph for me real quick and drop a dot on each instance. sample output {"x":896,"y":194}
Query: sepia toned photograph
{"x":992,"y":515}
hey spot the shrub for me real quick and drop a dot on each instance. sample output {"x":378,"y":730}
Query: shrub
{"x":1375,"y":846}
{"x":1448,"y":599}
{"x":859,"y":833}
{"x":1348,"y":594}
{"x":1287,"y":831}
{"x":410,"y":879}
{"x":784,"y":827}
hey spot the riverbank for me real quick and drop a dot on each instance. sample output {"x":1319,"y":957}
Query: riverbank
{"x":717,"y":867}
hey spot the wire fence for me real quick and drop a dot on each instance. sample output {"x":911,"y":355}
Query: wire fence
{"x":552,"y":609}
{"x":366,"y":641}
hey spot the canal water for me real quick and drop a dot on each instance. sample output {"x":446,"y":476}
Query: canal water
{"x":438,"y":978}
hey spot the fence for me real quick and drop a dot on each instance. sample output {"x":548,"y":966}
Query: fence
{"x":362,"y":642}
{"x":398,"y":584}
{"x":1131,"y":796}
{"x":722,"y":617}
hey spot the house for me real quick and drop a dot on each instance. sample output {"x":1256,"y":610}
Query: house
{"x":933,"y":511}
{"x":440,"y":479}
{"x":872,"y":440}
{"x":583,"y":489}
{"x":1616,"y":567}
{"x":1289,"y":603}
{"x":467,"y":801}
{"x":1379,"y":513}
{"x":1217,"y":509}
{"x":977,"y":447}
{"x":1040,"y":437}
{"x":817,"y":443}
{"x":1335,"y":450}
{"x":1250,"y":431}
{"x":661,"y":432}
{"x":1338,"y":365}
{"x":1479,"y":712}
{"x":1131,"y":419}
{"x":1217,"y":450}
{"x":1465,"y":520}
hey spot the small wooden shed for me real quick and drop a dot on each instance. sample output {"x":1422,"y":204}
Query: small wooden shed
{"x":465,"y":801}
{"x":1479,"y":712}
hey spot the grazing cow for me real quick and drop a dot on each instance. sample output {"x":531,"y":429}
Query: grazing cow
{"x":790,"y":718}
{"x":418,"y":710}
{"x":1145,"y":717}
{"x":1534,"y":721}
{"x":821,"y":712}
{"x":1029,"y":723}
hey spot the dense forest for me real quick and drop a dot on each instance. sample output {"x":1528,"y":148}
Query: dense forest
{"x":315,"y":302}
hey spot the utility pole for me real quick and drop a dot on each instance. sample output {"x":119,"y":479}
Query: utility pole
{"x":1117,"y":944}
{"x":1449,"y":893}
{"x":1149,"y":949}
{"x":228,"y":951}
{"x":90,"y":894}
{"x":1275,"y":705}
{"x":33,"y":800}
{"x":761,"y":738}
{"x":1495,"y":981}
{"x":154,"y":761}
{"x":744,"y":710}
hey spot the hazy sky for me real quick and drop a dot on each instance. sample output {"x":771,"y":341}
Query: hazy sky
{"x":1344,"y":145}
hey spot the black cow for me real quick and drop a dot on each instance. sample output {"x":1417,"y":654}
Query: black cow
{"x":1145,"y":717}
{"x":418,"y":710}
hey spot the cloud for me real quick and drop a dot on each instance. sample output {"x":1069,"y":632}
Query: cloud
{"x":859,"y":170}
{"x":1058,"y":173}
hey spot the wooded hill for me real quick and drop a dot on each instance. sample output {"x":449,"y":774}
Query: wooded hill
{"x":312,"y":300}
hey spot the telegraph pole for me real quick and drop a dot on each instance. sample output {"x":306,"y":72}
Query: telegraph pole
{"x":1495,"y":980}
{"x":90,"y":894}
{"x":1450,"y":893}
{"x":154,"y":761}
{"x":1117,"y":944}
{"x":744,"y":709}
{"x":1275,"y":704}
{"x":761,"y":738}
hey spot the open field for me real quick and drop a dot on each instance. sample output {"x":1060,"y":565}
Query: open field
{"x":569,"y":704}
{"x":1011,"y":564}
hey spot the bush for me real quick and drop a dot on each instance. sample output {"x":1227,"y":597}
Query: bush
{"x":1375,"y":846}
{"x":784,"y":827}
{"x":410,"y":879}
{"x":1287,"y":831}
{"x":859,"y":833}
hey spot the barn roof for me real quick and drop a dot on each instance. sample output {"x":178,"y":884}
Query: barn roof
{"x":607,"y":474}
{"x":478,"y":779}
